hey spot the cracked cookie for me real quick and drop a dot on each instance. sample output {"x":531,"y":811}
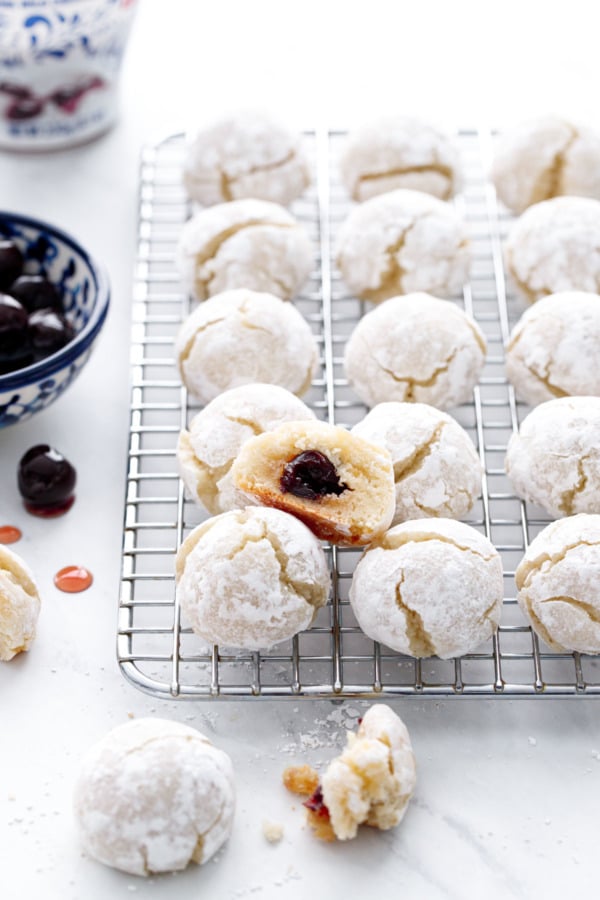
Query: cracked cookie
{"x":543,"y":158}
{"x":554,"y":348}
{"x":251,"y":578}
{"x":207,"y":450}
{"x":429,"y":587}
{"x":415,"y":348}
{"x":153,"y":796}
{"x":558,"y":584}
{"x":555,"y":246}
{"x":437,"y":471}
{"x":401,"y":242}
{"x":250,"y":244}
{"x":242,"y":337}
{"x":247,"y":154}
{"x":340,"y":485}
{"x":19,"y":605}
{"x":370,"y":783}
{"x":399,"y":152}
{"x":554,"y":459}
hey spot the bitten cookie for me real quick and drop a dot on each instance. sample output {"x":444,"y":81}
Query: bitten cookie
{"x":241,"y":337}
{"x":543,"y":158}
{"x":244,"y":244}
{"x":153,"y":796}
{"x":555,"y":246}
{"x":248,"y":154}
{"x":554,"y":348}
{"x":19,"y":605}
{"x":554,"y":459}
{"x":429,"y":587}
{"x":401,"y":242}
{"x":374,"y":778}
{"x":399,"y":152}
{"x":251,"y":578}
{"x":558,"y":582}
{"x":205,"y":452}
{"x":415,"y":348}
{"x":437,"y":471}
{"x":341,"y":486}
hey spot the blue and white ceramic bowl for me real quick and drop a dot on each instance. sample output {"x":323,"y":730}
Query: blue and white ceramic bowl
{"x":86,"y":295}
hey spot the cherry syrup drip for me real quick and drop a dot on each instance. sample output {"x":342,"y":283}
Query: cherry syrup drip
{"x":26,"y":105}
{"x":9,"y":534}
{"x":73,"y":579}
{"x":316,"y":804}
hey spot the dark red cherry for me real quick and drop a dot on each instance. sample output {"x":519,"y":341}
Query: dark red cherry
{"x":11,"y":263}
{"x":46,"y":481}
{"x":18,"y":359}
{"x":49,"y":331}
{"x":311,"y":475}
{"x":36,"y":292}
{"x":13,"y":324}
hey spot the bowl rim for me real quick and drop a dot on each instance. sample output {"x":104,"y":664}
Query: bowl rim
{"x":56,"y":361}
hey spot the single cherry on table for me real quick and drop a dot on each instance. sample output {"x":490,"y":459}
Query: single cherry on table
{"x":46,"y":481}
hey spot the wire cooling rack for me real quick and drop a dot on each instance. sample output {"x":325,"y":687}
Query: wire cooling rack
{"x":156,"y":650}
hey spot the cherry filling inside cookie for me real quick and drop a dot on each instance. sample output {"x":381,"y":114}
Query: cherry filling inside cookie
{"x":311,"y":475}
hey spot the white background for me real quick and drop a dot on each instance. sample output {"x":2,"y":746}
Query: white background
{"x":509,"y":791}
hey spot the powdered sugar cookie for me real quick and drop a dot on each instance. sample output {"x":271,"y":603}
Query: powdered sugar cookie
{"x":340,"y":485}
{"x":553,"y":350}
{"x":554,"y":459}
{"x":246,"y":154}
{"x":555,"y":246}
{"x":251,"y":578}
{"x":19,"y":605}
{"x":559,"y":585}
{"x":399,"y":152}
{"x":153,"y":796}
{"x":241,"y":337}
{"x":244,"y":244}
{"x":429,"y":587}
{"x":437,"y":471}
{"x":543,"y":158}
{"x":401,"y":242}
{"x":415,"y":348}
{"x":207,"y":450}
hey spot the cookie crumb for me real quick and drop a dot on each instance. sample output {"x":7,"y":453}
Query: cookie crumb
{"x":273,"y":831}
{"x":303,"y":780}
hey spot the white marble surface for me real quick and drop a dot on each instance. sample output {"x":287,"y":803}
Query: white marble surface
{"x":508,"y":791}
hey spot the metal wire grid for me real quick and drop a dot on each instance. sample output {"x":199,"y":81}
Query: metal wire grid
{"x":334,"y":659}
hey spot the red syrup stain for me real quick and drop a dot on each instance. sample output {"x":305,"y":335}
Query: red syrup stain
{"x":73,"y":579}
{"x":50,"y":512}
{"x":9,"y":534}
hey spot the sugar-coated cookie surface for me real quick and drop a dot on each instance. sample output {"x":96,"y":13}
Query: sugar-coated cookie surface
{"x":415,"y":348}
{"x":245,"y":154}
{"x":153,"y":796}
{"x":555,"y":246}
{"x":554,"y":348}
{"x":399,"y":152}
{"x":401,"y":242}
{"x":251,"y":578}
{"x":208,"y":448}
{"x":558,"y":582}
{"x":241,"y":337}
{"x":373,"y":779}
{"x":429,"y":587}
{"x":545,"y":157}
{"x":340,"y":485}
{"x":19,"y":605}
{"x":554,"y":459}
{"x":437,"y":471}
{"x":250,"y":244}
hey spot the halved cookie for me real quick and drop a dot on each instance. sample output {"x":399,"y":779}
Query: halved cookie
{"x":340,"y":485}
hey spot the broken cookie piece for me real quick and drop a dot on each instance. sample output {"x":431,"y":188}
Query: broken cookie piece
{"x":415,"y":348}
{"x":340,"y":485}
{"x":554,"y":459}
{"x":429,"y":587}
{"x":19,"y":605}
{"x":400,"y":242}
{"x":558,"y":584}
{"x":251,"y":578}
{"x":250,"y":244}
{"x":370,"y":783}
